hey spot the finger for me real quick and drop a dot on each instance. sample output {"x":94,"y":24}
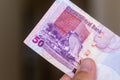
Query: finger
{"x":65,"y":77}
{"x":87,"y":70}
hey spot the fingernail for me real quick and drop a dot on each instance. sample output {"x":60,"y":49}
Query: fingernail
{"x":86,"y":65}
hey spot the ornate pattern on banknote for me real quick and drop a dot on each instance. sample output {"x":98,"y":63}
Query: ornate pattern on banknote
{"x":62,"y":37}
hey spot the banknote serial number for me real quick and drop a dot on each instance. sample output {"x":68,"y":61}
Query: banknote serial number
{"x":37,"y":40}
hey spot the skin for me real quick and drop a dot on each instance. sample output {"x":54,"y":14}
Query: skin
{"x":86,"y":71}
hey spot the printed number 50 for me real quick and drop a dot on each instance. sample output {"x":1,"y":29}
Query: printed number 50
{"x":38,"y":41}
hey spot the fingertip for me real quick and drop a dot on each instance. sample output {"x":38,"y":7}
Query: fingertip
{"x":65,"y":77}
{"x":91,"y":61}
{"x":87,"y":68}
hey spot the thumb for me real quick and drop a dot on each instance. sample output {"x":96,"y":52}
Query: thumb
{"x":87,"y":70}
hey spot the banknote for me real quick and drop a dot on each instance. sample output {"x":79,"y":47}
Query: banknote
{"x":66,"y":34}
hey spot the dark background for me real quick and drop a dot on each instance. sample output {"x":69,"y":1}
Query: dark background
{"x":19,"y":17}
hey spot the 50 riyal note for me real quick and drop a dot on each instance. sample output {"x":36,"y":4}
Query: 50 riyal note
{"x":66,"y":34}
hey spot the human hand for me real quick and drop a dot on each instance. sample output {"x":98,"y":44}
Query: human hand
{"x":87,"y":71}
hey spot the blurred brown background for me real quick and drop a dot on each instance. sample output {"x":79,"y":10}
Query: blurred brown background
{"x":18,"y":18}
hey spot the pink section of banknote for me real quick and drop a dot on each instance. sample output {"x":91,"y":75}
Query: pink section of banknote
{"x":66,"y":34}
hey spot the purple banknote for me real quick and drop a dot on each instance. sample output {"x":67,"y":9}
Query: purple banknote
{"x":66,"y":34}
